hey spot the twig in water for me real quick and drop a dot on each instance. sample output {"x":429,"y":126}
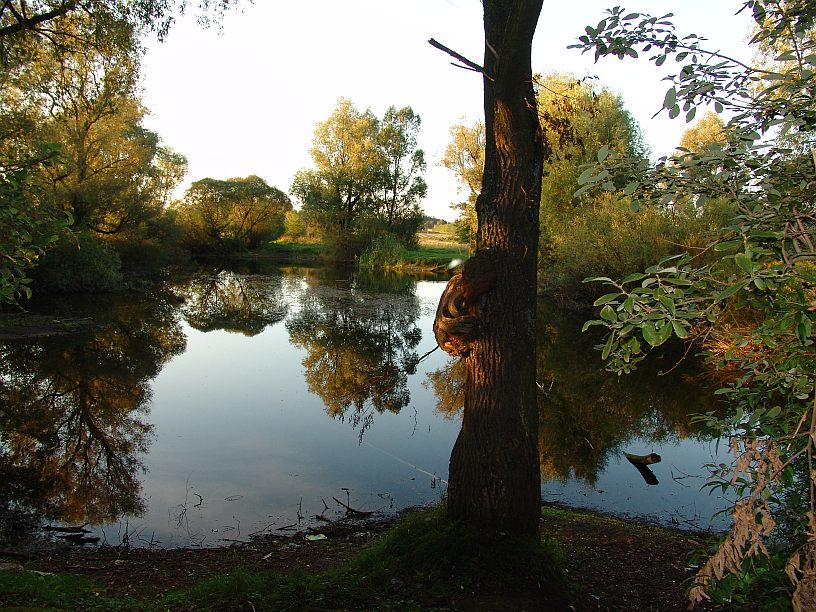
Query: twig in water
{"x":260,"y":530}
{"x":291,"y":527}
{"x":351,"y":510}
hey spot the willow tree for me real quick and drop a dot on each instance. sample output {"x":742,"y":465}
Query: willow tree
{"x":494,"y":481}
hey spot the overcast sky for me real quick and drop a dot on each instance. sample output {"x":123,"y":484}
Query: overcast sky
{"x":245,"y":98}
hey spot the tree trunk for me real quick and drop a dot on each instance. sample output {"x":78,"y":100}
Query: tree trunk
{"x":494,"y":480}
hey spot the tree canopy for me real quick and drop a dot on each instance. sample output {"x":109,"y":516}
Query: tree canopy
{"x":367,"y":177}
{"x":705,"y":135}
{"x":232,"y":215}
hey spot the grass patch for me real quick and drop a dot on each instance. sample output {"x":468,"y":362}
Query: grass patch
{"x":271,"y":591}
{"x":29,"y":591}
{"x":293,"y":247}
{"x":383,"y":255}
{"x":435,"y":256}
{"x":444,"y":562}
{"x":425,"y":561}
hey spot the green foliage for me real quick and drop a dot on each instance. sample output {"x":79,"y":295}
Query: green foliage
{"x":294,"y":226}
{"x":31,"y":591}
{"x":72,"y":145}
{"x":230,"y":216}
{"x":578,"y":119}
{"x":760,"y":585}
{"x":464,"y":156}
{"x":25,"y":233}
{"x":761,"y":275}
{"x":708,"y":134}
{"x":24,"y":21}
{"x":397,"y":209}
{"x":85,"y":100}
{"x":436,"y":256}
{"x":441,"y":556}
{"x":79,"y":262}
{"x":151,"y":248}
{"x":449,"y":229}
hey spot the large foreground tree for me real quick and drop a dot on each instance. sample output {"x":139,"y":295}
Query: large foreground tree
{"x":494,"y":480}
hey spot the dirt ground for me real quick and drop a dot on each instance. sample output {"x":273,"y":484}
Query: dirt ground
{"x":619,"y":565}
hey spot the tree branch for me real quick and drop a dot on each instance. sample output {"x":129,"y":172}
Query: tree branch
{"x":29,"y":23}
{"x":468,"y":65}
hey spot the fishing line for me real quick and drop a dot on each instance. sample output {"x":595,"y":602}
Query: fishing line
{"x":418,"y":469}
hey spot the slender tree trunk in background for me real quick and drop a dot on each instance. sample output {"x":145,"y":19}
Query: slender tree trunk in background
{"x":494,"y":480}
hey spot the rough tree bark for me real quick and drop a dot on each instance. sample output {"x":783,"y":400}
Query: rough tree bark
{"x":494,"y":481}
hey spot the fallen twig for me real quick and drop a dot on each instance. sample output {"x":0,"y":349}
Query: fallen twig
{"x":352,"y":510}
{"x":260,"y":530}
{"x":291,"y":527}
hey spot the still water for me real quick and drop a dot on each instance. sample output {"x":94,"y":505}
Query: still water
{"x":241,"y":402}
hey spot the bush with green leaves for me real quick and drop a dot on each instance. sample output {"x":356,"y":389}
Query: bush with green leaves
{"x":759,"y":270}
{"x":26,"y":231}
{"x":79,"y":263}
{"x":233,"y":215}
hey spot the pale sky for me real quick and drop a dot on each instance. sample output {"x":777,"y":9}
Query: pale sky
{"x":245,"y":99}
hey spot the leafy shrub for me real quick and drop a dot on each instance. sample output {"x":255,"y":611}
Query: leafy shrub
{"x":231,"y":216}
{"x":80,"y":262}
{"x":150,"y":249}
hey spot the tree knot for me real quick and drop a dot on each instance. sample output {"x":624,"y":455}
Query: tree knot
{"x":454,"y":327}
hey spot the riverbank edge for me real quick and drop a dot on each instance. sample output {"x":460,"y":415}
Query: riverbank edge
{"x":613,"y":563}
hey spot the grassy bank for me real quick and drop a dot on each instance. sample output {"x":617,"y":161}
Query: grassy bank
{"x":434,"y":257}
{"x":430,"y":255}
{"x":585,"y":560}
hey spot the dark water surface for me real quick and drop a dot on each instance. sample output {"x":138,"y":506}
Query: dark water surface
{"x":234,"y":403}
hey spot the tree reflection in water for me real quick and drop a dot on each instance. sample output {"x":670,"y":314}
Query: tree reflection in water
{"x":587,"y":415}
{"x":360,"y":345}
{"x":73,"y":415}
{"x":234,"y":302}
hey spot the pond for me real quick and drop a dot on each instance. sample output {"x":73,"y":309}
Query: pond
{"x":238,"y":402}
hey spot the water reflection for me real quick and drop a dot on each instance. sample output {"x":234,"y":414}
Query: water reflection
{"x":234,"y":302}
{"x":360,"y":342}
{"x":236,"y":427}
{"x":74,"y":413}
{"x":588,"y":416}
